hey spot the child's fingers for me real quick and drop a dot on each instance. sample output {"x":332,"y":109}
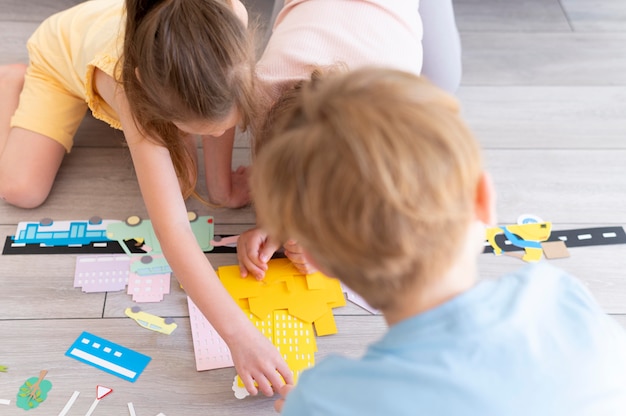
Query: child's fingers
{"x":278,"y":405}
{"x":248,"y":383}
{"x":268,"y":249}
{"x":264,"y":386}
{"x":283,"y":391}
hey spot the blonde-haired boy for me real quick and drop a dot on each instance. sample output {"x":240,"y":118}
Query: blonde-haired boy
{"x":377,"y":177}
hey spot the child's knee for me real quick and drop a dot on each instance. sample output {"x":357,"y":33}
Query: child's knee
{"x":21,"y":190}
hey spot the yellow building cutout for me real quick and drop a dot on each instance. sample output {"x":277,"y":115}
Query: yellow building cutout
{"x":288,"y":307}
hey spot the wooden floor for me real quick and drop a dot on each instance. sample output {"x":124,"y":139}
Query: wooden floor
{"x":544,"y":89}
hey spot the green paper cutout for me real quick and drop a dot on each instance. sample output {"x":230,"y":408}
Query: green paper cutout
{"x":26,"y":402}
{"x":3,"y":369}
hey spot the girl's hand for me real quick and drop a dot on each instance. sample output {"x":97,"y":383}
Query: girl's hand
{"x":254,"y":249}
{"x":284,"y":391}
{"x":295,"y":253}
{"x":258,"y":361}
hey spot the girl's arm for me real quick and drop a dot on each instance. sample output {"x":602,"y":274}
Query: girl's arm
{"x":225,"y":187}
{"x":256,"y":359}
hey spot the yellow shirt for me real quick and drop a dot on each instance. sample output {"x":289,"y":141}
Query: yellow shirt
{"x":72,"y":43}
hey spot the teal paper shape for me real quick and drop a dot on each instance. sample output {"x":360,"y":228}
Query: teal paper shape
{"x":26,"y":402}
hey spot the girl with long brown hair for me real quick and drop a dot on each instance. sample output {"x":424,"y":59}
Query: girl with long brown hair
{"x":164,"y":72}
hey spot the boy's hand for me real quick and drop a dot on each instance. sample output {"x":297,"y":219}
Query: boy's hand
{"x":254,"y":249}
{"x":284,"y":391}
{"x":294,"y":252}
{"x":257,"y":360}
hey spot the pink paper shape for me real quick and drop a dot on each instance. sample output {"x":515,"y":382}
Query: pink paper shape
{"x":150,"y":288}
{"x":102,"y":273}
{"x":358,"y":300}
{"x":210,"y":349}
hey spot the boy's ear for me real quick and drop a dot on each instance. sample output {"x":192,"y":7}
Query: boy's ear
{"x":485,"y":204}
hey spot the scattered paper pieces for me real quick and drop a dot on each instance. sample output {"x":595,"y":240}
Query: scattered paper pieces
{"x":108,"y":356}
{"x":33,"y":392}
{"x":555,"y":249}
{"x":101,"y":392}
{"x":210,"y":349}
{"x":150,"y":288}
{"x":102,"y":273}
{"x":152,"y":322}
{"x":5,"y":402}
{"x":69,"y":403}
{"x":289,"y":308}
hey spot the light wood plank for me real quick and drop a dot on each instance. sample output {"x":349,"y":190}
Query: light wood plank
{"x":546,"y":117}
{"x":596,"y":15}
{"x":170,"y":384}
{"x":565,"y":186}
{"x":599,"y":268}
{"x":36,"y":10}
{"x":103,"y":180}
{"x":495,"y":58}
{"x":510,"y":16}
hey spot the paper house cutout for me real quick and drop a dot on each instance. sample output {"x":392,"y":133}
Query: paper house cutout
{"x":102,"y":273}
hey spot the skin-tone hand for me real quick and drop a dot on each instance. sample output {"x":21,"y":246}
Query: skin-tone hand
{"x":284,"y":391}
{"x":262,"y":364}
{"x":295,"y":253}
{"x":254,"y":249}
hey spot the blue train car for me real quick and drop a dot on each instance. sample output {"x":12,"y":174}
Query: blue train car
{"x":62,"y":233}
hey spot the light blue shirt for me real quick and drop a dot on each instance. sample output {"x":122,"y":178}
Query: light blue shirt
{"x":533,"y":343}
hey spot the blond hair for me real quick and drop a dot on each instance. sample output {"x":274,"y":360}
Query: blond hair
{"x":374,"y":173}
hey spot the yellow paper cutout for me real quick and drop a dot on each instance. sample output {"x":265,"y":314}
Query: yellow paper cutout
{"x":285,"y":306}
{"x":528,"y":236}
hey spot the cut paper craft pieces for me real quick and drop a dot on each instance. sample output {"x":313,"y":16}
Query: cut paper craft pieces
{"x":69,"y":403}
{"x":131,"y":409}
{"x":63,"y":233}
{"x":581,"y":237}
{"x":150,"y":288}
{"x":97,"y":236}
{"x":240,"y":392}
{"x":210,"y":349}
{"x":33,"y":392}
{"x":109,"y":247}
{"x":108,"y":356}
{"x":101,"y":392}
{"x":293,"y":337}
{"x":555,"y":249}
{"x":152,"y":322}
{"x":527,"y":236}
{"x":5,"y":402}
{"x":3,"y":369}
{"x":358,"y":300}
{"x":308,"y":297}
{"x":287,"y":307}
{"x":102,"y":273}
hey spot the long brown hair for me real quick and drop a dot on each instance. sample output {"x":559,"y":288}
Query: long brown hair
{"x":185,"y":60}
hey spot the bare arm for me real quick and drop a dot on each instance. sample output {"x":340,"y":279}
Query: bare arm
{"x":225,"y":187}
{"x":256,"y":359}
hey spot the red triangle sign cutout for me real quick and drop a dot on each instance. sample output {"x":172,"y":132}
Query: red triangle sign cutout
{"x":102,"y":391}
